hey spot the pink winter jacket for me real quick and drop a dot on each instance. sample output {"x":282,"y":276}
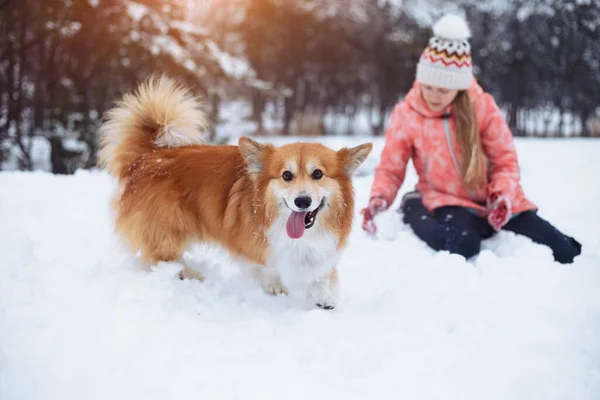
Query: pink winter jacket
{"x":418,"y":133}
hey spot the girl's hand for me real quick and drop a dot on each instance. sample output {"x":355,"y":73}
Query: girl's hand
{"x":376,"y":205}
{"x":498,"y":207}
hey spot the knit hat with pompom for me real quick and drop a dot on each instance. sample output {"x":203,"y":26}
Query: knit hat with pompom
{"x":446,"y":62}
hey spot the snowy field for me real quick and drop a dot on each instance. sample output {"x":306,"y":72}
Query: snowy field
{"x":79,"y":319}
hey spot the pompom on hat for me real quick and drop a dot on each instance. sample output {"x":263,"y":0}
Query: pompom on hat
{"x":446,"y":62}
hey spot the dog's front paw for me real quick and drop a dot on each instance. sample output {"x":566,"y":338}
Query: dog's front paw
{"x":188,"y":273}
{"x":322,"y":297}
{"x":326,"y":306}
{"x":326,"y":302}
{"x":275,"y":288}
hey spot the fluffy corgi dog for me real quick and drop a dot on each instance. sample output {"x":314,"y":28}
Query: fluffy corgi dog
{"x":285,"y":212}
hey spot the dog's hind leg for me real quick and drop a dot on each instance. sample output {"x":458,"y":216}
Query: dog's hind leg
{"x":170,"y":247}
{"x":187,"y":272}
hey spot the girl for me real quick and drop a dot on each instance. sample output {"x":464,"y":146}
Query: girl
{"x":463,"y":152}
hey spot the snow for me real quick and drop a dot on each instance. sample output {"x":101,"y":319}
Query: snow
{"x":137,"y":11}
{"x":191,"y":40}
{"x":40,"y":153}
{"x":188,"y":27}
{"x":234,"y":120}
{"x":238,"y":68}
{"x":233,"y":66}
{"x":526,"y":10}
{"x":80,"y":320}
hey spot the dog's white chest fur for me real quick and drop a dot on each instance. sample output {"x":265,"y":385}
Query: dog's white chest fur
{"x":301,"y":262}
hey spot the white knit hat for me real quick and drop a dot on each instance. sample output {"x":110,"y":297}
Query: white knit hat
{"x":446,"y":62}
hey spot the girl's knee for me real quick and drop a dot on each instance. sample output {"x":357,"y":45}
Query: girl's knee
{"x":414,"y":212}
{"x":413,"y":206}
{"x":460,"y":241}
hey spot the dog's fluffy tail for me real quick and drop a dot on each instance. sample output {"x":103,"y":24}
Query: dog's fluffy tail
{"x":159,"y":114}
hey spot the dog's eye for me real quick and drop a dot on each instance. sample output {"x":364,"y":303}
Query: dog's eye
{"x":317,"y":174}
{"x":287,"y":176}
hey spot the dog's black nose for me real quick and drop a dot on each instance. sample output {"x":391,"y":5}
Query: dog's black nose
{"x":303,"y":202}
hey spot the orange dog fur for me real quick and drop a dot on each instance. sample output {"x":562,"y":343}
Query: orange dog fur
{"x":175,"y":190}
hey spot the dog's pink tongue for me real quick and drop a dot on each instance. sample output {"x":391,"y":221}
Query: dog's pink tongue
{"x":295,"y":224}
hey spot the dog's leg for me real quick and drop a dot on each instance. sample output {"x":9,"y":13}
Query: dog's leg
{"x":165,"y":245}
{"x":324,"y":293}
{"x":187,"y":272}
{"x":269,"y":279}
{"x":273,"y":285}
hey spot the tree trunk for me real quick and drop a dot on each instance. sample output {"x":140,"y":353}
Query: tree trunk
{"x":215,"y":106}
{"x":561,"y":122}
{"x":381,"y":125}
{"x":10,"y":76}
{"x":7,"y":89}
{"x":547,"y":123}
{"x":351,"y":116}
{"x":258,"y":107}
{"x":512,"y":120}
{"x":88,"y":135}
{"x":585,"y":131}
{"x":18,"y":114}
{"x":57,"y":156}
{"x":289,"y":109}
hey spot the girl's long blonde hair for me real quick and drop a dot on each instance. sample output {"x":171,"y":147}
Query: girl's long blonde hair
{"x":473,"y":160}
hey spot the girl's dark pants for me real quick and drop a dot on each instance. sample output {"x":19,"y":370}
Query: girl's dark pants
{"x":457,"y":230}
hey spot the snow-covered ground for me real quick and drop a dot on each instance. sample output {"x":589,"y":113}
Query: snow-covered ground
{"x":80,"y":320}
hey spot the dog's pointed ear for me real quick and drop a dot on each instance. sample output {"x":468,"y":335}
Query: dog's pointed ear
{"x":253,"y":153}
{"x":351,"y":158}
